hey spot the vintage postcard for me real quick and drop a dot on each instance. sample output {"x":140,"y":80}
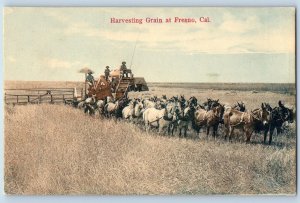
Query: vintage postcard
{"x":150,"y":101}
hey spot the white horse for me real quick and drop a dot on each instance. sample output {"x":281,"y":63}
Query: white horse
{"x":133,"y":111}
{"x":148,"y":104}
{"x":128,"y":111}
{"x":110,"y":108}
{"x":173,"y":108}
{"x":138,"y":109}
{"x":100,"y":106}
{"x":157,"y":118}
{"x":88,"y":105}
{"x":138,"y":112}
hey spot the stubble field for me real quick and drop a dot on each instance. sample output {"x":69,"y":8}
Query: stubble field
{"x":56,"y":149}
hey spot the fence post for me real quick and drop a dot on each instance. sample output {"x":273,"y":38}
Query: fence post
{"x":40,"y":99}
{"x":63,"y":97}
{"x":28,"y":99}
{"x":17,"y":99}
{"x":51,"y":98}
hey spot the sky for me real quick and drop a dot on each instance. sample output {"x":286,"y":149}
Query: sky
{"x":237,"y":45}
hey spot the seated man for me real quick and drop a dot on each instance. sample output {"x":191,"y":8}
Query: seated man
{"x":90,"y":79}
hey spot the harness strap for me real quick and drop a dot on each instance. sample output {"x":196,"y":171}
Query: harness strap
{"x":241,"y":121}
{"x":242,"y":117}
{"x":156,"y":119}
{"x":254,"y":116}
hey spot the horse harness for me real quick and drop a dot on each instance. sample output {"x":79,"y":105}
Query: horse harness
{"x":241,"y":120}
{"x":255,"y":116}
{"x":249,"y":117}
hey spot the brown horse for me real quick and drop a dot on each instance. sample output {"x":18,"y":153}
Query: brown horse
{"x":210,"y":118}
{"x":248,"y":121}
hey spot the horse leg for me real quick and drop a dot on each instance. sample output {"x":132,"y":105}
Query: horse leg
{"x":279,"y":130}
{"x":215,"y":131}
{"x":146,"y":126}
{"x":185,"y":130}
{"x":226,"y":132}
{"x":248,"y":135}
{"x":179,"y":128}
{"x":198,"y":132}
{"x":159,"y":128}
{"x":265,"y":135}
{"x":231,"y":129}
{"x":170,"y":129}
{"x":99,"y":111}
{"x":271,"y":134}
{"x":173,"y":128}
{"x":207,"y":132}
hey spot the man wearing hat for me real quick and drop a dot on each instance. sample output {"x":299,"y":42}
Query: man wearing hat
{"x":106,"y":72}
{"x":123,"y":69}
{"x":90,"y":78}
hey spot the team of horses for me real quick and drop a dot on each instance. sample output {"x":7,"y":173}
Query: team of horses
{"x":179,"y":114}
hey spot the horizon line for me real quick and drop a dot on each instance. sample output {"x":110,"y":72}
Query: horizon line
{"x":155,"y":82}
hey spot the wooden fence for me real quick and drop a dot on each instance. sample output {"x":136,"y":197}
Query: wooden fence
{"x":37,"y":96}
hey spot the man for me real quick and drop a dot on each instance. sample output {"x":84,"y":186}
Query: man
{"x":90,"y":79}
{"x":106,"y":72}
{"x":123,"y":69}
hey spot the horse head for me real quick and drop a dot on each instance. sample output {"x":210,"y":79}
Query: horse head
{"x":188,"y":112}
{"x":172,"y":110}
{"x":138,"y":109}
{"x":219,"y":111}
{"x":192,"y":101}
{"x":286,"y":114}
{"x":210,"y":104}
{"x":265,"y":113}
{"x":240,"y":106}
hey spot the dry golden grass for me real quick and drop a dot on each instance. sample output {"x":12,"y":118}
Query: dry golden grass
{"x":52,"y":149}
{"x":55,"y":149}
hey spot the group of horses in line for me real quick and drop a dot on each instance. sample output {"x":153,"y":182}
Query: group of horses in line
{"x":180,"y":114}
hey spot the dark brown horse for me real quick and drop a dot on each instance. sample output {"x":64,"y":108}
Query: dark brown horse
{"x":279,"y":115}
{"x":211,"y":103}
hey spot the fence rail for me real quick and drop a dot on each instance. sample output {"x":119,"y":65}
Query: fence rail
{"x":45,"y":95}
